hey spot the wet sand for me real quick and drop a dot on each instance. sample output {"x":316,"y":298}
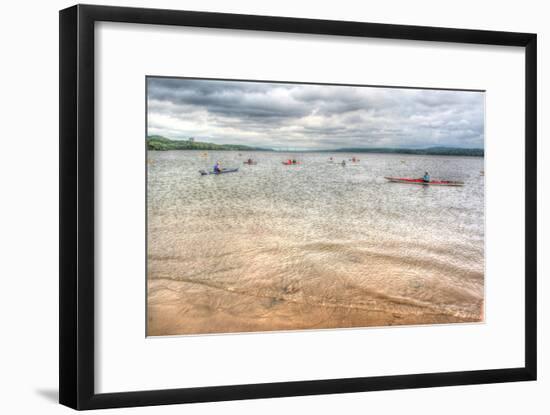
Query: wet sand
{"x":177,"y":307}
{"x":263,"y":284}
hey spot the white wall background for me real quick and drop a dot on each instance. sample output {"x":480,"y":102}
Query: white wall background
{"x":29,"y":208}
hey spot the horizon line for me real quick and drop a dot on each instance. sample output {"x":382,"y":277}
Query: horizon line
{"x":298,"y":149}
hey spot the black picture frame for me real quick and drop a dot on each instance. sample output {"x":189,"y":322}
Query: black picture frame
{"x":76,"y":278}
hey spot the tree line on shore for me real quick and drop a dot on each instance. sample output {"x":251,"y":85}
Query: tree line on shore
{"x":159,"y":143}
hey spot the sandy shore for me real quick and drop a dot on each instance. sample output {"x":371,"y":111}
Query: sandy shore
{"x":180,"y":307}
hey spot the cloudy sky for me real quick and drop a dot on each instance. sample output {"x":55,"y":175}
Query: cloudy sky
{"x":294,"y":116}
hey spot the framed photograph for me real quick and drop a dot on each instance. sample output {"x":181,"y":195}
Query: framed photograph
{"x":258,"y":207}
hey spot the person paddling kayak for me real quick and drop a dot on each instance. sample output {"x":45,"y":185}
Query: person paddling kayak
{"x":426,"y":177}
{"x":217,"y":167}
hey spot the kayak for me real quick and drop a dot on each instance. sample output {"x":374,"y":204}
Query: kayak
{"x":290,"y":164}
{"x":250,"y":164}
{"x":205,"y":173}
{"x":420,"y":181}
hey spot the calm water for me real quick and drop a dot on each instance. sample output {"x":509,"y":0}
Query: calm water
{"x":242,"y":247}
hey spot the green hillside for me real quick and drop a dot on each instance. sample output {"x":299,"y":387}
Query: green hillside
{"x":159,"y":143}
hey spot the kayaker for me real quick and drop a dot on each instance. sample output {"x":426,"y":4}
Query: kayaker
{"x":217,"y":167}
{"x":293,"y":161}
{"x":344,"y":163}
{"x":249,"y":161}
{"x":426,"y":177}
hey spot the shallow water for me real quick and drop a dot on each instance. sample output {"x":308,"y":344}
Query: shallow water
{"x":314,"y":245}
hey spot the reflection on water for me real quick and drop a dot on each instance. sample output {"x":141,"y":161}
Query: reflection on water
{"x":315,"y":245}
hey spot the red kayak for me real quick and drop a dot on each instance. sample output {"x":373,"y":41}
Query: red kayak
{"x":286,"y":163}
{"x":421,"y":181}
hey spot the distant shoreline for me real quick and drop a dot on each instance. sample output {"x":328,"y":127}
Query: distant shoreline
{"x":431,"y":151}
{"x":159,"y":143}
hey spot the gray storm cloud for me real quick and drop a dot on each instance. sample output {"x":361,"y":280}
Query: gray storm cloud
{"x":298,"y":116}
